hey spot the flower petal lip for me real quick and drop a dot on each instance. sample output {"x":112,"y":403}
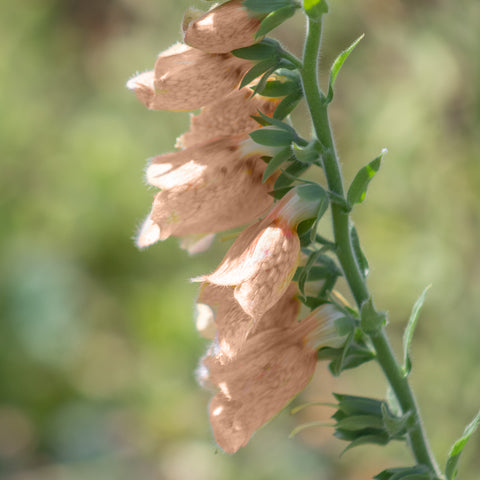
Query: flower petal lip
{"x":224,"y":28}
{"x":234,"y":325}
{"x":187,"y":78}
{"x":198,"y":195}
{"x":271,"y":368}
{"x":230,"y":115}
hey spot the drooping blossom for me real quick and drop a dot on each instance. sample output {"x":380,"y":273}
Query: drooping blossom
{"x":205,"y":189}
{"x":262,"y":261}
{"x":224,"y":28}
{"x":185,"y":78}
{"x":216,"y":305}
{"x":230,"y":115}
{"x":271,"y":368}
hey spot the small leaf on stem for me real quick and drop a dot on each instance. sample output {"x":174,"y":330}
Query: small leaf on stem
{"x":337,"y":65}
{"x":358,"y":188}
{"x":458,"y":446}
{"x":409,"y":331}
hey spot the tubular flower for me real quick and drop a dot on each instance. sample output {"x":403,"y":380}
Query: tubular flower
{"x":223,"y":29}
{"x":185,"y":78}
{"x":217,"y":304}
{"x":230,"y":115}
{"x":262,"y":261}
{"x":205,"y":189}
{"x":273,"y":366}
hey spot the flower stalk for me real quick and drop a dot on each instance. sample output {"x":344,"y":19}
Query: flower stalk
{"x":317,"y":106}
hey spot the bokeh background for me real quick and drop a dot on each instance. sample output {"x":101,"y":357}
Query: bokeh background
{"x":97,"y":343}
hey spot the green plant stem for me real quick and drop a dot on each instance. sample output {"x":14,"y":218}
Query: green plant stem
{"x":341,"y":220}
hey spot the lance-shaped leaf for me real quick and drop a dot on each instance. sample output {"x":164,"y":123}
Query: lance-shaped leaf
{"x":274,"y":19}
{"x":275,"y":162}
{"x":290,"y":174}
{"x":272,"y":137}
{"x":267,"y":6}
{"x":358,"y":188}
{"x":359,"y":255}
{"x":337,"y":65}
{"x":315,"y":8}
{"x":409,"y":331}
{"x":417,"y":472}
{"x":286,"y":106}
{"x":458,"y":446}
{"x":259,"y":69}
{"x":260,"y":51}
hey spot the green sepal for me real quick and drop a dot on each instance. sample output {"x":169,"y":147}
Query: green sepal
{"x":337,"y":65}
{"x":259,"y":51}
{"x":358,"y":188}
{"x":307,"y":154}
{"x":281,"y":125}
{"x":417,"y":472}
{"x":458,"y":446}
{"x":396,"y":425}
{"x":409,"y":331}
{"x":279,"y":193}
{"x":271,"y":137}
{"x":371,"y":321}
{"x":285,"y":107}
{"x":355,"y":356}
{"x":375,"y":438}
{"x":275,"y":18}
{"x":259,"y":69}
{"x":315,"y":8}
{"x":275,"y":163}
{"x":294,"y":170}
{"x":357,"y":250}
{"x":360,"y":422}
{"x":267,"y":6}
{"x":277,"y":88}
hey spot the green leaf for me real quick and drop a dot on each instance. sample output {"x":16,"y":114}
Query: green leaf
{"x":359,"y":255}
{"x":360,"y":422}
{"x":274,"y":19}
{"x":410,"y":329}
{"x":279,"y":124}
{"x":288,"y":104}
{"x":281,"y":157}
{"x":337,"y":65}
{"x":271,"y":137}
{"x":259,"y":51}
{"x":458,"y":446}
{"x":266,"y":6}
{"x":315,"y":8}
{"x":311,"y":192}
{"x":277,"y":88}
{"x":371,"y":321}
{"x":418,"y":472}
{"x":377,"y":439}
{"x":295,"y":169}
{"x":258,"y":69}
{"x":358,"y":188}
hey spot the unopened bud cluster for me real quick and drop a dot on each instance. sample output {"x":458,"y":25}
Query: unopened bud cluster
{"x":261,"y":355}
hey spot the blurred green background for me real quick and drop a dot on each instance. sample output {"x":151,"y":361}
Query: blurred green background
{"x":97,"y":344}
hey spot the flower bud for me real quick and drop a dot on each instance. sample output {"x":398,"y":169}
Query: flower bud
{"x":224,"y":28}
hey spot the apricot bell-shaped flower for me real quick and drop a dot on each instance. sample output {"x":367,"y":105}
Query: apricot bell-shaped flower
{"x":224,"y":28}
{"x":273,"y":366}
{"x":262,"y":261}
{"x":185,"y":78}
{"x":217,"y":305}
{"x":230,"y":115}
{"x":206,"y":188}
